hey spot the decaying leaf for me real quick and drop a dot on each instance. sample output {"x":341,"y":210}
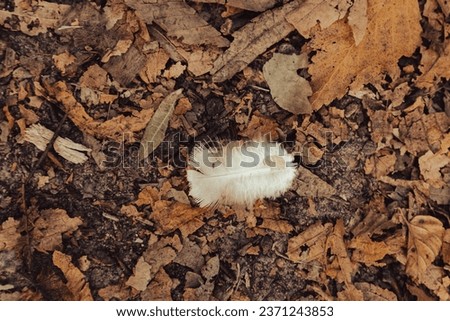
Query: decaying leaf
{"x":179,"y":20}
{"x":251,"y":5}
{"x":114,"y":128}
{"x":159,"y":288}
{"x":68,"y":149}
{"x":288,"y":89}
{"x":156,"y":128}
{"x":49,"y":227}
{"x":76,"y":281}
{"x":310,"y":185}
{"x":392,"y":32}
{"x":357,"y":19}
{"x":314,"y":238}
{"x":252,"y":40}
{"x":424,"y":243}
{"x":313,"y":12}
{"x":172,"y":215}
{"x":437,"y":69}
{"x":372,"y":292}
{"x":34,"y":18}
{"x":9,"y":234}
{"x":158,"y":254}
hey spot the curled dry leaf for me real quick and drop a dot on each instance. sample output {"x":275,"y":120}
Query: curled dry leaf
{"x":252,"y":40}
{"x":288,"y":89}
{"x":76,"y":281}
{"x":251,"y":5}
{"x":113,"y":128}
{"x":424,"y":243}
{"x":68,"y":149}
{"x":156,"y":128}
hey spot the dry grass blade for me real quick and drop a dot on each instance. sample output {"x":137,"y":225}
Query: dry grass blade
{"x":156,"y":128}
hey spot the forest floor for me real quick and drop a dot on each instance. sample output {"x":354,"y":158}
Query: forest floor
{"x":358,"y":91}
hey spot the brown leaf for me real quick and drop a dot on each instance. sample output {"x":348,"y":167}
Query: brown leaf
{"x":155,"y":130}
{"x":113,"y":128}
{"x":342,"y":262}
{"x":252,"y":40}
{"x":372,"y":292}
{"x":34,"y":19}
{"x":446,"y":247}
{"x":424,"y":243}
{"x":172,"y":215}
{"x":158,"y":254}
{"x":251,"y":5}
{"x":313,"y":12}
{"x":179,"y":20}
{"x":357,"y":19}
{"x":49,"y":227}
{"x":314,"y":237}
{"x":288,"y":89}
{"x":159,"y":288}
{"x":9,"y":234}
{"x":76,"y":281}
{"x":393,"y":31}
{"x":436,"y":69}
{"x":310,"y":185}
{"x":371,"y":252}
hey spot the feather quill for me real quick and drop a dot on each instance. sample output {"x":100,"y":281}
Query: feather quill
{"x":239,"y":172}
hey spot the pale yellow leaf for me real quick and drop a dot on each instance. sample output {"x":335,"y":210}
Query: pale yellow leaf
{"x":288,"y":89}
{"x":156,"y":128}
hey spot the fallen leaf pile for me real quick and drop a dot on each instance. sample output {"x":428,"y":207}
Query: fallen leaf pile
{"x":123,"y":89}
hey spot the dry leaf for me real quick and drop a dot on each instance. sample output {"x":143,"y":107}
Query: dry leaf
{"x":372,"y":292}
{"x":393,"y":31}
{"x":179,"y":20}
{"x":156,"y":62}
{"x":435,"y":70}
{"x":9,"y":234}
{"x":158,"y":254}
{"x":115,"y":292}
{"x":357,"y":19}
{"x":156,"y":128}
{"x":288,"y":89}
{"x":34,"y":19}
{"x":49,"y":227}
{"x":76,"y":281}
{"x":424,"y":243}
{"x":251,"y":5}
{"x":159,"y":288}
{"x":311,"y":185}
{"x":141,"y":275}
{"x":172,"y":215}
{"x":68,"y":149}
{"x":114,"y":128}
{"x":252,"y":40}
{"x":313,"y":12}
{"x":314,"y":237}
{"x":63,"y":60}
{"x":446,"y":247}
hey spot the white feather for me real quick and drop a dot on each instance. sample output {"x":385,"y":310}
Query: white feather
{"x":239,"y":173}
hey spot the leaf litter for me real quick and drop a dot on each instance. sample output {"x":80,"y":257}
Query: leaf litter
{"x":357,"y":90}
